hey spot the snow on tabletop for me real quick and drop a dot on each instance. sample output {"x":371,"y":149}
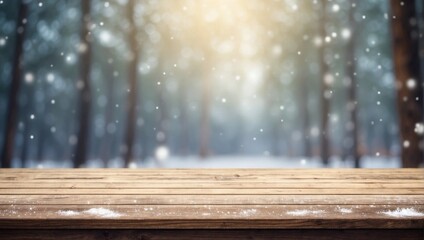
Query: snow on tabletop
{"x":304,"y":212}
{"x":248,"y":212}
{"x":403,"y":212}
{"x":67,"y":213}
{"x":344,"y":210}
{"x":97,"y":212}
{"x":102,"y":212}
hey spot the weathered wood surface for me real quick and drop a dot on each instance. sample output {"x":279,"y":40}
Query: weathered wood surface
{"x":229,"y":234}
{"x":212,"y":198}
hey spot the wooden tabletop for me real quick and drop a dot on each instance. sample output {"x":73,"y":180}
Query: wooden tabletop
{"x":211,"y":198}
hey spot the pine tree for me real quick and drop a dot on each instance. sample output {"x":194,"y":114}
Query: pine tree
{"x":12,"y":106}
{"x":408,"y":80}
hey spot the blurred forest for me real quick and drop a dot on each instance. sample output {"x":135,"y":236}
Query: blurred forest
{"x":132,"y":83}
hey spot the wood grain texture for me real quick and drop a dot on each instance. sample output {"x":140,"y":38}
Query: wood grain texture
{"x":207,"y":216}
{"x":211,"y":199}
{"x":251,"y":199}
{"x":290,"y":234}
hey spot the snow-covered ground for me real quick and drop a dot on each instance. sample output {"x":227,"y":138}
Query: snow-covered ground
{"x":268,"y":162}
{"x":233,"y":162}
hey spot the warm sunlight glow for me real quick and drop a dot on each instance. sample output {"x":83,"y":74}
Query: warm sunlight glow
{"x":233,"y":42}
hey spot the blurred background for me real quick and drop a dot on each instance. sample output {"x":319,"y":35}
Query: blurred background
{"x":211,"y":83}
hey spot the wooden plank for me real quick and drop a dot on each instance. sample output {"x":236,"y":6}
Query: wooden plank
{"x":244,"y":181}
{"x":128,"y":178}
{"x":220,"y":198}
{"x":258,"y":234}
{"x":213,"y":174}
{"x":211,"y":199}
{"x":201,"y":191}
{"x":207,"y":216}
{"x":207,"y":185}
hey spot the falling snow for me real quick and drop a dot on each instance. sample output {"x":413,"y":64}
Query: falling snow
{"x":208,"y":79}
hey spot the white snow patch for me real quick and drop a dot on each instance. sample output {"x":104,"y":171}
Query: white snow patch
{"x":404,"y":212}
{"x":248,"y":212}
{"x":97,"y":212}
{"x":102,"y":212}
{"x":304,"y":212}
{"x":344,"y":210}
{"x":67,"y":213}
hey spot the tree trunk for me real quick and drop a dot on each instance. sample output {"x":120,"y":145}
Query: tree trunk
{"x":421,"y":40}
{"x":25,"y":139}
{"x":12,"y":106}
{"x":105,"y":150}
{"x":304,"y":115}
{"x":352,"y":127}
{"x":205,"y":113}
{"x":238,"y":138}
{"x":145,"y":146}
{"x":184,"y":130}
{"x":29,"y":102}
{"x":41,"y":139}
{"x":275,"y":136}
{"x":325,"y":88}
{"x":80,"y":156}
{"x":409,"y":81}
{"x":161,"y":137}
{"x":41,"y":122}
{"x":132,"y":95}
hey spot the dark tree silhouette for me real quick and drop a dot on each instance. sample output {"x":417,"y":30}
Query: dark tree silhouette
{"x":270,"y":87}
{"x":27,"y":123}
{"x":325,"y":88}
{"x":80,"y":155}
{"x":12,"y":106}
{"x":408,"y":79}
{"x":421,"y":39}
{"x":106,"y":145}
{"x":352,"y":127}
{"x":303,"y":85}
{"x":132,"y":77}
{"x":42,"y":129}
{"x":304,"y":113}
